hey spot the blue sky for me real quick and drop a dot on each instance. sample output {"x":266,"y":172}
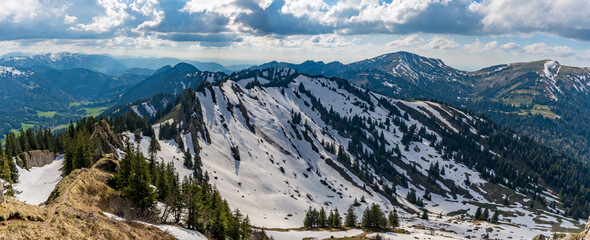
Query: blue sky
{"x":465,"y":34}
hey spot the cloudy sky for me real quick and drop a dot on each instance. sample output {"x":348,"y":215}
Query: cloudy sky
{"x":466,"y":34}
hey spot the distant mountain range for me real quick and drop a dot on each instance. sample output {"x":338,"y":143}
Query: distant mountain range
{"x":544,"y":99}
{"x":104,"y":63}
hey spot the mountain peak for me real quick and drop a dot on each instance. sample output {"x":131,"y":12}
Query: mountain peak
{"x":185,"y":67}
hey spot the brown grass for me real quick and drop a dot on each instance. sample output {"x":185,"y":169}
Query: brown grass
{"x":79,"y":200}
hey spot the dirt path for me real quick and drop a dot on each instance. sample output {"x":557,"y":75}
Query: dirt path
{"x":52,"y":209}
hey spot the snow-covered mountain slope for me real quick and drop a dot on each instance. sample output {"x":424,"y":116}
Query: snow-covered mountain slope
{"x":274,"y":147}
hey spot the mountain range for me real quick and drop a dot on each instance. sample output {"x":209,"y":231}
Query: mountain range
{"x":542,"y":99}
{"x":296,"y":141}
{"x":308,"y":136}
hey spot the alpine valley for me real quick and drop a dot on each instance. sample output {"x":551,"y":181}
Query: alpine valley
{"x":292,"y":151}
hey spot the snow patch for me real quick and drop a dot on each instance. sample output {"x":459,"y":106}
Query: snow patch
{"x":37,"y":183}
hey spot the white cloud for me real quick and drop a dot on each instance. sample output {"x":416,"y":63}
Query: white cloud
{"x":511,"y":46}
{"x":18,"y":10}
{"x":564,"y":17}
{"x":441,"y":43}
{"x":409,"y":41}
{"x":310,"y":8}
{"x":347,"y":11}
{"x":477,"y":46}
{"x":540,"y":49}
{"x":115,"y":15}
{"x":548,"y":51}
{"x":70,"y":19}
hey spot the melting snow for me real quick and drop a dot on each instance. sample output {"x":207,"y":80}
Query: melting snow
{"x":37,"y":183}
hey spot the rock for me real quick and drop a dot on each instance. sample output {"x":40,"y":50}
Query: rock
{"x":586,"y":235}
{"x":35,"y":158}
{"x":107,"y":140}
{"x":1,"y":192}
{"x":540,"y":237}
{"x":569,"y":237}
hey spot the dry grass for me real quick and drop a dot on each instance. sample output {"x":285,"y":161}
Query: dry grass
{"x":78,"y":213}
{"x":15,"y":210}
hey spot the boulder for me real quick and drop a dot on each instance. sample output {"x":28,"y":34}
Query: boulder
{"x":35,"y":158}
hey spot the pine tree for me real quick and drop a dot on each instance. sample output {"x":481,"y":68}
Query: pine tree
{"x":138,"y":189}
{"x":424,"y":214}
{"x":152,"y":151}
{"x":496,"y":216}
{"x":308,"y":221}
{"x":322,"y":219}
{"x":485,"y":216}
{"x":7,"y":173}
{"x":373,"y":217}
{"x":337,"y":220}
{"x":478,"y":213}
{"x":188,"y":160}
{"x":245,"y":229}
{"x":350,"y":219}
{"x":393,"y":219}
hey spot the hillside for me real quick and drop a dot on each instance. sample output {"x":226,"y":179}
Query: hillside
{"x":541,"y":99}
{"x":46,"y":97}
{"x":293,"y":141}
{"x":171,"y":80}
{"x":75,"y":211}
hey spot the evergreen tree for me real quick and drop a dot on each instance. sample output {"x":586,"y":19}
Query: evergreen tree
{"x":373,"y":217}
{"x":308,"y":220}
{"x":393,"y":219}
{"x":496,"y":216}
{"x":152,"y":151}
{"x":478,"y":213}
{"x":322,"y":219}
{"x":7,"y":173}
{"x":337,"y":220}
{"x":350,"y":219}
{"x":188,"y":160}
{"x":424,"y":214}
{"x":138,"y":188}
{"x":485,"y":216}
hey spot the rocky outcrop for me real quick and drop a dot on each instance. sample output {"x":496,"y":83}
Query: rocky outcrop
{"x":35,"y":158}
{"x":107,"y":141}
{"x":585,"y":235}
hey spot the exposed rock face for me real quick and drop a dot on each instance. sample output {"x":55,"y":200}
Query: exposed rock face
{"x":35,"y":158}
{"x":585,"y":235}
{"x":107,"y":141}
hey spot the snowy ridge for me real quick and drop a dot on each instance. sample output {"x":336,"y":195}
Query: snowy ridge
{"x":10,"y":71}
{"x":284,"y":164}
